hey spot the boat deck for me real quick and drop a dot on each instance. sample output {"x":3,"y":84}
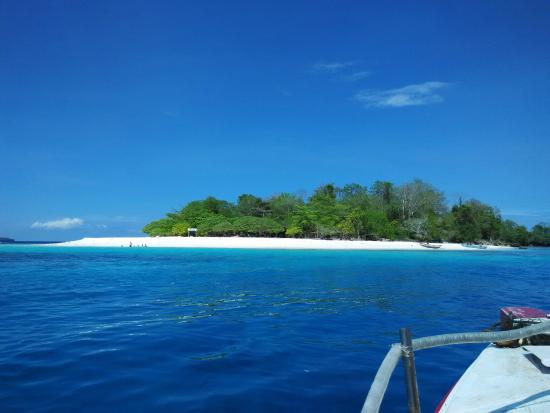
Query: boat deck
{"x":502,"y":380}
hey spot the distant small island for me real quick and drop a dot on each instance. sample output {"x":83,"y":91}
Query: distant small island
{"x":6,"y":240}
{"x":414,"y":211}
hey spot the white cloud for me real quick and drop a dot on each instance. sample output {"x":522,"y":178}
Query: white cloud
{"x":63,"y":223}
{"x":354,"y":77}
{"x":330,"y":67}
{"x":411,"y":95}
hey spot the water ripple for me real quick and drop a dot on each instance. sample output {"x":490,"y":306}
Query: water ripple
{"x":208,"y":330}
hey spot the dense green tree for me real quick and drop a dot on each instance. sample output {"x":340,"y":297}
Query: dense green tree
{"x":282,"y":206}
{"x":180,"y":228}
{"x":377,"y":225}
{"x":513,"y":234}
{"x":224,"y":228}
{"x":270,"y":227}
{"x":415,"y":210}
{"x":159,"y":228}
{"x":488,"y":219}
{"x":257,"y":226}
{"x":250,"y":205}
{"x":436,"y":228}
{"x":354,"y":196}
{"x":353,"y":223}
{"x":207,"y":224}
{"x":475,"y":221}
{"x":325,"y":212}
{"x":540,"y":235}
{"x":194,"y":213}
{"x":302,"y":221}
{"x":383,"y":191}
{"x":218,"y":206}
{"x":384,"y":197}
{"x":467,"y":229}
{"x":294,"y":231}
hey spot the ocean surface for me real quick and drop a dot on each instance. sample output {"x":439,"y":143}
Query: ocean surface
{"x":177,"y":330}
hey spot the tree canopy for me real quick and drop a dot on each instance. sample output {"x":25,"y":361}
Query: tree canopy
{"x":415,"y":210}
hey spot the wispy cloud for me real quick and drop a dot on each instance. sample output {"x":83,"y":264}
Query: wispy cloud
{"x":111,"y":219}
{"x":330,"y":67}
{"x":411,"y":95}
{"x":63,"y":223}
{"x":284,"y":92}
{"x":530,"y":214}
{"x":170,"y":114}
{"x":354,"y":77}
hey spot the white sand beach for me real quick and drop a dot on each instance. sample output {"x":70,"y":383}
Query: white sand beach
{"x":266,"y":243}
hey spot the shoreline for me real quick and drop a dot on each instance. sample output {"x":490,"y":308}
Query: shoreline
{"x":268,"y":243}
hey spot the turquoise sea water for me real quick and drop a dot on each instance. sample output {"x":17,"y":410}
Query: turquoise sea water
{"x":104,"y":329}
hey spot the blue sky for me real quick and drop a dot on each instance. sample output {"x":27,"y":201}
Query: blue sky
{"x":112,"y":113}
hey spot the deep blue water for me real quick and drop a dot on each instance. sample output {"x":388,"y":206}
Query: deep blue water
{"x":86,"y":329}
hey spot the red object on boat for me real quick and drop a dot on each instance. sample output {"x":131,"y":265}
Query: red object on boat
{"x":508,"y":315}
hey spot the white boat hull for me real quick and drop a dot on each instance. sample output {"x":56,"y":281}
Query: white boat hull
{"x":501,"y":380}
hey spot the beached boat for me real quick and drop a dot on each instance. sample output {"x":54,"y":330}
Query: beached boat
{"x":511,"y":374}
{"x":432,"y":246}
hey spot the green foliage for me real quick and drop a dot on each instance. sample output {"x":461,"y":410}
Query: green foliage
{"x":540,"y":236}
{"x":194,"y":213}
{"x":514,"y":234}
{"x":180,"y":229}
{"x":475,"y":221}
{"x":250,"y":205}
{"x":384,"y":197}
{"x":353,"y":223}
{"x":435,"y":228}
{"x":465,"y":223}
{"x":159,"y":228}
{"x":324,"y":211}
{"x":218,"y":206}
{"x":377,"y":225}
{"x":268,"y":226}
{"x":303,"y":218}
{"x":208,"y":223}
{"x":294,"y":232}
{"x":414,"y":210}
{"x":257,"y":226}
{"x":224,"y":228}
{"x":383,"y":191}
{"x":282,"y":207}
{"x":354,"y":196}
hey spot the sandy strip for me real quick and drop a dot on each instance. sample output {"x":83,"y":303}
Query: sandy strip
{"x":265,"y":243}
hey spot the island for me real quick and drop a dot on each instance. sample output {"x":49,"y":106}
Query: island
{"x":6,"y":240}
{"x":415,"y":211}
